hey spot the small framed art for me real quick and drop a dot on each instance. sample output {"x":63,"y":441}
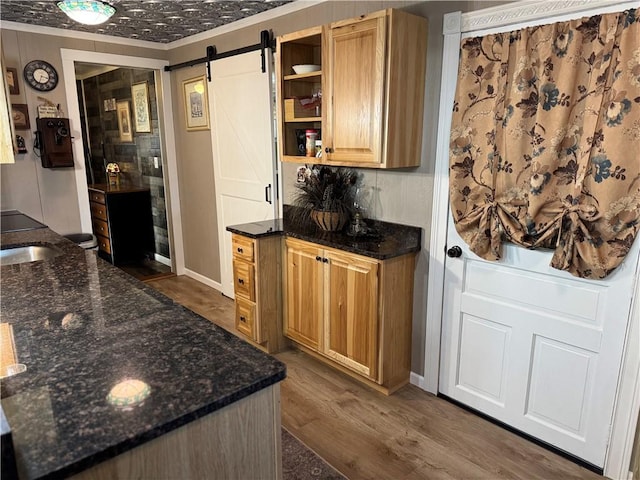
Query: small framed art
{"x":140,"y":95}
{"x":195,"y":103}
{"x":124,"y":121}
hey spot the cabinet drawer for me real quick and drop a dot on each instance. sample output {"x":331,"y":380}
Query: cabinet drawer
{"x":104,"y":244}
{"x":242,"y":247}
{"x":100,"y":227}
{"x":99,"y":210}
{"x":243,"y":279}
{"x":97,"y":197}
{"x":245,"y":317}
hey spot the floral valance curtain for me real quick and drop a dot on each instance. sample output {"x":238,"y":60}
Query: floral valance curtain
{"x":545,"y":142}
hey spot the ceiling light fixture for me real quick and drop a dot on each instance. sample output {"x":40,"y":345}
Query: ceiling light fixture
{"x":87,"y":12}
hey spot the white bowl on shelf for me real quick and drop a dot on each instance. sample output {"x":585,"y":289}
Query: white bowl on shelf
{"x":306,"y":68}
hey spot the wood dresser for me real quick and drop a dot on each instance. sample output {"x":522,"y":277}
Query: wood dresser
{"x":122,"y":222}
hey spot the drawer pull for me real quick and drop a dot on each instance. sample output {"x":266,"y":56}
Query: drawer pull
{"x":243,"y":319}
{"x":240,"y":250}
{"x":241,"y":281}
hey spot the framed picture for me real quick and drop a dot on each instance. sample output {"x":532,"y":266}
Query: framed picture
{"x":196,"y":104}
{"x":20,"y":114}
{"x":140,"y":95}
{"x":12,"y":81}
{"x":124,"y":121}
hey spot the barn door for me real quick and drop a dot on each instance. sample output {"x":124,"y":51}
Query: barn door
{"x":243,"y":148}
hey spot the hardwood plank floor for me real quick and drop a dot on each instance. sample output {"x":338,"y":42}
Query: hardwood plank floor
{"x":411,"y":435}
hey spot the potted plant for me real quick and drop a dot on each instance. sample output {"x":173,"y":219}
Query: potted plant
{"x":327,"y":195}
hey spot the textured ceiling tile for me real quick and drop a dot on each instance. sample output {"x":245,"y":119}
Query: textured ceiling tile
{"x":158,"y":21}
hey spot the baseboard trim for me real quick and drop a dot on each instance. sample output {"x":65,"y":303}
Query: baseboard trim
{"x":162,"y":259}
{"x":417,"y":380}
{"x":202,"y":279}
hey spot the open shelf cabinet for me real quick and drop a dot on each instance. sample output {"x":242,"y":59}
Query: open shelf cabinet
{"x":299,"y":48}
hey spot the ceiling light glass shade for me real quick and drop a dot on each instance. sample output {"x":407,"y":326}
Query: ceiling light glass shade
{"x":87,"y":12}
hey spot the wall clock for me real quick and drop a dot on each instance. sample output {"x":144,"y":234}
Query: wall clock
{"x":40,"y":75}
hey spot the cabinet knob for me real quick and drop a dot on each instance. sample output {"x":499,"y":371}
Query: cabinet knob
{"x":454,"y":252}
{"x":318,"y":258}
{"x":241,"y":281}
{"x":328,"y":150}
{"x":325,"y":260}
{"x":239,"y":249}
{"x":242,"y":319}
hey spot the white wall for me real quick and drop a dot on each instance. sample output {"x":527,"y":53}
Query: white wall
{"x":46,"y":194}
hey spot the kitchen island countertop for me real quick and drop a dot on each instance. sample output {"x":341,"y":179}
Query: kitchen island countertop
{"x":82,"y":326}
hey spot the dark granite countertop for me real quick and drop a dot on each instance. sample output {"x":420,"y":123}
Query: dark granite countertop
{"x":384,"y":240}
{"x":15,"y":221}
{"x":81,"y":326}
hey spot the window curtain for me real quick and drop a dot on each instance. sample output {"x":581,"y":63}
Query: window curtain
{"x":545,"y":142}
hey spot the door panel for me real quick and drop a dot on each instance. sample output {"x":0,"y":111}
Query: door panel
{"x":483,"y":356}
{"x":535,"y":347}
{"x":560,"y":375}
{"x":243,"y":148}
{"x":304,"y":290}
{"x":351,"y":328}
{"x":354,"y":65}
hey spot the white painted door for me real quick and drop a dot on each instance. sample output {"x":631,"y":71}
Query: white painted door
{"x":243,"y":148}
{"x":534,"y":347}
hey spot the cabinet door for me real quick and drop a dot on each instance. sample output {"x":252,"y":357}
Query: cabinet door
{"x":354,"y":91}
{"x":351,"y":318}
{"x":303,"y":320}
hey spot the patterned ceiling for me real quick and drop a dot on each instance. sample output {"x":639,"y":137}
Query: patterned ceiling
{"x":158,"y":21}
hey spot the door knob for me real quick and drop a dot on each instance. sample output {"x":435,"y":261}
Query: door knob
{"x":454,"y":252}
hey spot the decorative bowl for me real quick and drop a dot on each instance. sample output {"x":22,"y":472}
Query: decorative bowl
{"x":330,"y":221}
{"x":306,"y":68}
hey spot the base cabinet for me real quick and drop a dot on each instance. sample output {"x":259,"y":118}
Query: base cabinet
{"x":256,"y":265}
{"x":351,"y":310}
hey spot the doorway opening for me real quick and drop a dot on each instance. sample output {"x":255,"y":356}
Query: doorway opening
{"x":119,"y":118}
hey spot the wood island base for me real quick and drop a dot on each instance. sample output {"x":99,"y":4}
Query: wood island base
{"x":241,"y":440}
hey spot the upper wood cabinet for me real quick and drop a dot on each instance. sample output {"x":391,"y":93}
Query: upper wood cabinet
{"x":299,"y":48}
{"x":372,"y":80}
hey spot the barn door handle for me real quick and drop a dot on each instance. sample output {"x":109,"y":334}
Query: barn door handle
{"x":454,"y":252}
{"x":267,"y":194}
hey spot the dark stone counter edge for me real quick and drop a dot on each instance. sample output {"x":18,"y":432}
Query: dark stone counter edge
{"x":270,"y":228}
{"x":129,"y":444}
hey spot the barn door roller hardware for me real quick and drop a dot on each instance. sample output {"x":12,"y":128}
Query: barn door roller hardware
{"x":266,"y":41}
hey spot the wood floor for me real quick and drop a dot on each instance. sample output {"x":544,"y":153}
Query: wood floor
{"x":147,"y":269}
{"x":411,"y":435}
